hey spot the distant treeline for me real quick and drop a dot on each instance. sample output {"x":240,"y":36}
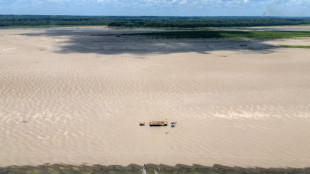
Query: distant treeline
{"x":149,"y":22}
{"x":34,"y":21}
{"x":196,"y":34}
{"x":202,"y":22}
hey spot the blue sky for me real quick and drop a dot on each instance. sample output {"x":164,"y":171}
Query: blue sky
{"x":158,"y":7}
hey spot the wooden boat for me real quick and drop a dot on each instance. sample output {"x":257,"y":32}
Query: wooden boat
{"x":158,"y":123}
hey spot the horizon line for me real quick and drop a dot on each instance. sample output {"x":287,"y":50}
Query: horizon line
{"x":153,"y":15}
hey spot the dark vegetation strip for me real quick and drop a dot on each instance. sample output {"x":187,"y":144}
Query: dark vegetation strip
{"x":223,"y":34}
{"x":135,"y":169}
{"x":147,"y":22}
{"x":295,"y":46}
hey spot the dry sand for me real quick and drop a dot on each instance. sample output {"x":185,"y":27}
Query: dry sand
{"x":67,"y":97}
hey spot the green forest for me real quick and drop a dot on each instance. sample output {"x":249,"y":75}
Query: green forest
{"x":223,"y":34}
{"x":147,"y":22}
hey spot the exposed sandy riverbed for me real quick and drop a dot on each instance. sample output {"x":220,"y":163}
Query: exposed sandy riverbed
{"x":70,"y":97}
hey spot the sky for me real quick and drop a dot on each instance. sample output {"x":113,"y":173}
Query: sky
{"x":157,"y":7}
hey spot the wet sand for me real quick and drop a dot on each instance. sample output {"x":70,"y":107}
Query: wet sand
{"x":73,"y":97}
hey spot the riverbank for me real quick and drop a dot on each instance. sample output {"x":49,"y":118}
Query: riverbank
{"x":135,"y":169}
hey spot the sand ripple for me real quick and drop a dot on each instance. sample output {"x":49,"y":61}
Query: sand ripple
{"x":246,"y":109}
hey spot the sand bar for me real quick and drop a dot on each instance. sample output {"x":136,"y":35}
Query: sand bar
{"x":72,"y":97}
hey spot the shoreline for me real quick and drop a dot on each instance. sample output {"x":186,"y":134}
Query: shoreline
{"x":150,"y":168}
{"x":98,"y":27}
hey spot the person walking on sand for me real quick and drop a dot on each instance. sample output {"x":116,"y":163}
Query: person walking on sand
{"x":143,"y":170}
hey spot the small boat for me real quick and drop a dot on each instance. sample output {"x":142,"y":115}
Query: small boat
{"x":158,"y":123}
{"x":173,"y":124}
